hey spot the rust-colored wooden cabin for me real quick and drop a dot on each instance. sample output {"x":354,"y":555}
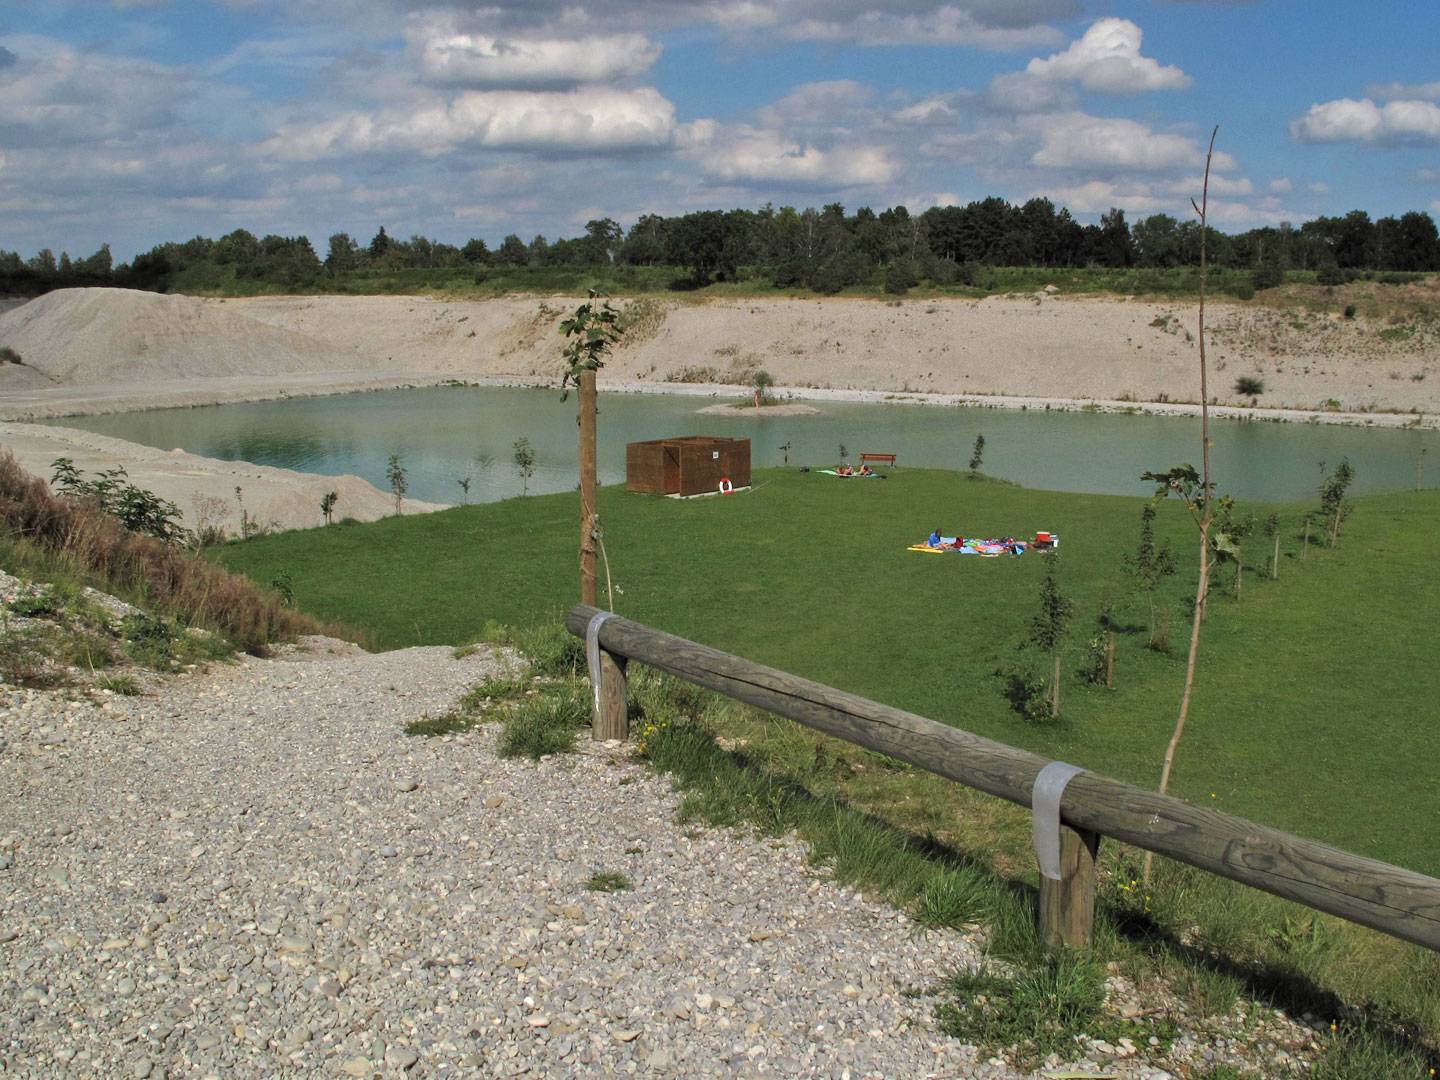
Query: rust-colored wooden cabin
{"x":686,"y":465}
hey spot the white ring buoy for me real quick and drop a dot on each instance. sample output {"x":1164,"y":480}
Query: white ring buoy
{"x":726,"y":487}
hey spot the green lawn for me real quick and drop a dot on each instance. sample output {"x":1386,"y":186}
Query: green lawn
{"x":1314,"y":708}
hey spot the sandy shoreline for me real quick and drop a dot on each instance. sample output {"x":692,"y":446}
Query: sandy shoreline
{"x":103,"y":351}
{"x":35,"y":406}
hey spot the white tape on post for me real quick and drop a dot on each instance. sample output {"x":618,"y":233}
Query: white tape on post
{"x":1045,"y":807}
{"x":592,"y":652}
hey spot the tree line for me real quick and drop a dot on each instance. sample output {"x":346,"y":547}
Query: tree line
{"x":824,"y":250}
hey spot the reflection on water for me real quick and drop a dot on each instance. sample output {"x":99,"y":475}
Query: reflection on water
{"x":445,"y":434}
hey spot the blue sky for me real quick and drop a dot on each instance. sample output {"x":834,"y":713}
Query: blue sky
{"x":136,"y":121}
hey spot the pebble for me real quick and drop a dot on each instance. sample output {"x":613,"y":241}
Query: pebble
{"x":401,"y":1057}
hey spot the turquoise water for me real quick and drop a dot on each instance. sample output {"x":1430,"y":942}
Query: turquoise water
{"x":445,"y":433}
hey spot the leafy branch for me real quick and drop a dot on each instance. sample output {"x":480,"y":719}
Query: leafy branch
{"x":590,"y":333}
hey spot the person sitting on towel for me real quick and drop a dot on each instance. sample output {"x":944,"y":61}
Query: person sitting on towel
{"x":934,"y":540}
{"x":865,"y":470}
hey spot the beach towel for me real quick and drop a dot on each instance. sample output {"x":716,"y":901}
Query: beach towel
{"x":988,"y":548}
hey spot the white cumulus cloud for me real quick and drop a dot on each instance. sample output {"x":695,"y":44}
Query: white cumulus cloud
{"x":1106,"y":59}
{"x":1219,"y":185}
{"x":484,"y":60}
{"x":743,"y":154}
{"x":53,"y":93}
{"x":817,"y":103}
{"x":1098,"y":196}
{"x":1110,"y":144}
{"x":1349,"y":120}
{"x":941,"y":107}
{"x":599,"y":119}
{"x":937,"y":24}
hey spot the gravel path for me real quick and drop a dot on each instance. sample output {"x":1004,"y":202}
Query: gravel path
{"x":257,"y":873}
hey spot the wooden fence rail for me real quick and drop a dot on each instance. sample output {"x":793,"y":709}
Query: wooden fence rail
{"x":1388,"y":898}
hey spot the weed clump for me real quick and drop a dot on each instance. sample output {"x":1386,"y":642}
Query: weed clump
{"x":78,"y":536}
{"x":607,"y":881}
{"x":545,"y":724}
{"x":1041,"y":1010}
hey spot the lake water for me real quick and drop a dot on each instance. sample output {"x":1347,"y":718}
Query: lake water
{"x":443,"y":434}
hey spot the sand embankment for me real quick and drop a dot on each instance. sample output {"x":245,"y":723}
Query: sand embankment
{"x":204,"y":489}
{"x":98,"y":349}
{"x":1042,"y":346}
{"x":102,"y":350}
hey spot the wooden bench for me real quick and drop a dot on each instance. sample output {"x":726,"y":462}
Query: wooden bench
{"x":888,"y":459}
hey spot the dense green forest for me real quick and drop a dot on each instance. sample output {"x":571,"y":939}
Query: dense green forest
{"x":824,"y":251}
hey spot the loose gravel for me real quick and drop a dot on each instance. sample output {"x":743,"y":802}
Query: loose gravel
{"x":254,"y":872}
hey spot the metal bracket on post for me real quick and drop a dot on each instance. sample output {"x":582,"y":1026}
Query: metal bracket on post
{"x":1045,"y":806}
{"x":592,"y":652}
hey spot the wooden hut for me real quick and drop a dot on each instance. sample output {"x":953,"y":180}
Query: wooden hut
{"x":687,"y":465}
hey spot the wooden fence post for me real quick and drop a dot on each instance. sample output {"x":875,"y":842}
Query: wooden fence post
{"x":1391,"y":899}
{"x":1067,"y":906}
{"x":612,"y":721}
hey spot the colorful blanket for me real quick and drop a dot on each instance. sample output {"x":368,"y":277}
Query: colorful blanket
{"x":972,"y":546}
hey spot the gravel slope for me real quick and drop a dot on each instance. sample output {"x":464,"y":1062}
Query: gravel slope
{"x":257,"y":873}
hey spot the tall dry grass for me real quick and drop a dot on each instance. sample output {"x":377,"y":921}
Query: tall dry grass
{"x":169,"y":579}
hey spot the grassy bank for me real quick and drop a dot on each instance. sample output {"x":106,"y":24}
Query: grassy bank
{"x":47,"y":538}
{"x":810,"y":574}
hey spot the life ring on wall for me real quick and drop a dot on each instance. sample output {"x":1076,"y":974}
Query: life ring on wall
{"x":726,"y":487}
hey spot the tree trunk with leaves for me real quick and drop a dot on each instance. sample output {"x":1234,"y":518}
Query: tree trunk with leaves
{"x":592,"y":330}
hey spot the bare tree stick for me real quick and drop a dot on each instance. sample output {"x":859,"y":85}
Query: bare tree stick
{"x":1206,"y":512}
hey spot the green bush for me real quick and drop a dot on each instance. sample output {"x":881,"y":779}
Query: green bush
{"x":1249,"y":386}
{"x":1267,"y":277}
{"x":900,"y":277}
{"x":139,"y":510}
